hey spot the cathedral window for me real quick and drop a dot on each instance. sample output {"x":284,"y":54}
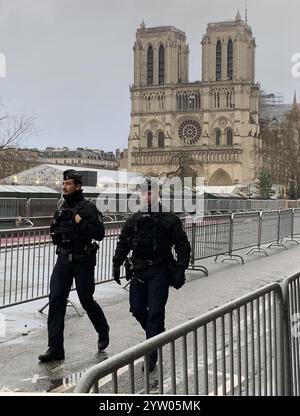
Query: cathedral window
{"x":218,"y":60}
{"x":150,"y":66}
{"x":161,"y":65}
{"x":149,"y":139}
{"x":218,"y":137}
{"x":190,"y":132}
{"x":230,"y":60}
{"x":161,"y":139}
{"x":229,"y":137}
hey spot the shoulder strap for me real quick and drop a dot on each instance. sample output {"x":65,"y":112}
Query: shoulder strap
{"x":78,"y":206}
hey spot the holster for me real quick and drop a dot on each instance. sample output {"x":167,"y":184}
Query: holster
{"x":128,"y":268}
{"x":92,"y":252}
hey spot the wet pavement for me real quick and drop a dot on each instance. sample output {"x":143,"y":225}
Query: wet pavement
{"x":26,"y":335}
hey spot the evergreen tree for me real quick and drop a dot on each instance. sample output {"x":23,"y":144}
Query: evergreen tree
{"x":264,"y":185}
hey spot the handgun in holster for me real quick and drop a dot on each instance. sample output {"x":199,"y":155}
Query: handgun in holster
{"x":92,"y":251}
{"x":128,"y":268}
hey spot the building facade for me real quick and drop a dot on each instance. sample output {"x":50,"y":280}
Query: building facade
{"x":79,"y":157}
{"x":214,"y":122}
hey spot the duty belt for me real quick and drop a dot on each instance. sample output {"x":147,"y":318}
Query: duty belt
{"x":144,"y":263}
{"x":72,"y":255}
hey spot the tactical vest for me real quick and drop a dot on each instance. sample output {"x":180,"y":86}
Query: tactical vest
{"x":147,"y":239}
{"x":63,"y":230}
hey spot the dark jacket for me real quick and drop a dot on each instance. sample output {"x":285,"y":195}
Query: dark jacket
{"x":89,"y":228}
{"x":169,"y":234}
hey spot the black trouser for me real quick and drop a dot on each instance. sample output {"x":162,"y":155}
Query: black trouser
{"x":60,"y":285}
{"x":148,"y":297}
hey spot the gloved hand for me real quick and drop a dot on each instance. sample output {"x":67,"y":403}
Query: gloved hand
{"x":116,"y":274}
{"x":178,"y":279}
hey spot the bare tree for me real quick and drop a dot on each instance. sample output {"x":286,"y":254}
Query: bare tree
{"x":280,"y":151}
{"x":186,"y":167}
{"x":13,"y":130}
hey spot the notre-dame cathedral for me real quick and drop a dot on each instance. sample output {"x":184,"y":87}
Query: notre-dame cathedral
{"x":214,"y":121}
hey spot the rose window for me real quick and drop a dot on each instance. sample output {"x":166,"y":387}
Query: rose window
{"x":190,"y":131}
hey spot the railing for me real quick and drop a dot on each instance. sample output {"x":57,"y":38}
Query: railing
{"x":247,"y":347}
{"x":27,"y":255}
{"x":13,"y":207}
{"x":235,"y":349}
{"x":44,"y":207}
{"x":291,"y":292}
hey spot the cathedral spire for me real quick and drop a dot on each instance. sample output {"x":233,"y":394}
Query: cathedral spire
{"x":238,"y":16}
{"x":142,"y":25}
{"x":295,"y":107}
{"x":295,"y":100}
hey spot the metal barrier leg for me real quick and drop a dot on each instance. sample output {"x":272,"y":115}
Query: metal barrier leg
{"x":234,"y":257}
{"x":199,"y":268}
{"x":69,"y":303}
{"x":277,"y":244}
{"x":44,"y":307}
{"x":291,"y":240}
{"x":127,"y":284}
{"x":258,"y":250}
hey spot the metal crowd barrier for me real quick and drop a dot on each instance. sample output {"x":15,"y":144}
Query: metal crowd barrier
{"x":34,"y":207}
{"x":235,"y":349}
{"x":41,"y":207}
{"x":209,"y":237}
{"x":27,"y":255}
{"x":291,"y":292}
{"x":13,"y":207}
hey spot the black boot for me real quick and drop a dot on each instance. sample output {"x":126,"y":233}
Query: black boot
{"x":103,"y":341}
{"x":52,"y":355}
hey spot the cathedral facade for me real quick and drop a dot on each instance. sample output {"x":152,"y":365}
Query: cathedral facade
{"x":213,"y":122}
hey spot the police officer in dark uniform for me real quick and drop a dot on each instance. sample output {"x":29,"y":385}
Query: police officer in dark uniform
{"x":149,"y":235}
{"x":76,"y":223}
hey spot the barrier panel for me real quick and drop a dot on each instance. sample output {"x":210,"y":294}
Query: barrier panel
{"x":269,"y":226}
{"x":41,"y":207}
{"x":285,"y":223}
{"x":245,"y":230}
{"x":27,"y":255}
{"x":209,"y":236}
{"x":235,"y":349}
{"x":13,"y":207}
{"x":296,"y":225}
{"x":291,"y":291}
{"x":26,"y":260}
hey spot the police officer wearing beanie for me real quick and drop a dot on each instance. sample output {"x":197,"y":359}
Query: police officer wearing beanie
{"x":76,"y":223}
{"x":150,"y":235}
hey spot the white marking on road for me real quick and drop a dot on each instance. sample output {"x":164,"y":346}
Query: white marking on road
{"x":34,"y":378}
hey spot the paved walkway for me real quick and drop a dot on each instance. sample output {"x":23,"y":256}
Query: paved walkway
{"x":26,"y":334}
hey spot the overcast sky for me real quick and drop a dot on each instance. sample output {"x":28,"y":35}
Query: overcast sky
{"x":70,"y":62}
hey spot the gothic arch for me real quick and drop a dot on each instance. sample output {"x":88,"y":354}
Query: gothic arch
{"x":220,"y":178}
{"x":229,"y":136}
{"x":217,"y":135}
{"x":152,"y":125}
{"x":150,"y":60}
{"x":149,"y":138}
{"x":161,"y":139}
{"x":161,"y":64}
{"x":230,"y":59}
{"x":220,"y":123}
{"x":218,"y":60}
